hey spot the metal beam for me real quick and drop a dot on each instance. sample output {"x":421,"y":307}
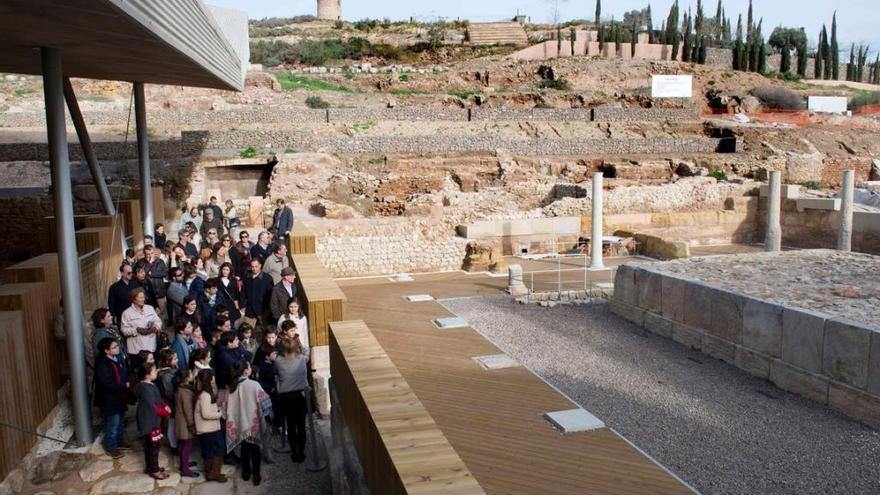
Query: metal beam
{"x":68,"y":262}
{"x":143,"y":141}
{"x":88,"y":151}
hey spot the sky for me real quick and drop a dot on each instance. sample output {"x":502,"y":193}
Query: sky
{"x":857,"y":19}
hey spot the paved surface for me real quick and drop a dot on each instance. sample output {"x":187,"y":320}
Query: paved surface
{"x":720,"y":429}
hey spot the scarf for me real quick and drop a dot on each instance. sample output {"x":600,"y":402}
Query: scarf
{"x":246,"y":412}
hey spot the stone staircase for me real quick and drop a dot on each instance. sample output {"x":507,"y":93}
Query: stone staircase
{"x":497,"y":33}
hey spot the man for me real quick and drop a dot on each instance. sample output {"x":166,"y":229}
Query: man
{"x":211,"y":240}
{"x":140,"y":278}
{"x":261,"y":249}
{"x":111,"y":384}
{"x":215,"y":208}
{"x":208,"y":301}
{"x":282,"y":292}
{"x":140,"y":326}
{"x":243,"y":250}
{"x":119,"y":294}
{"x":190,"y":248}
{"x":211,"y":223}
{"x":156,"y":271}
{"x":176,"y":292}
{"x":276,"y":263}
{"x":282,"y":220}
{"x":256,"y":293}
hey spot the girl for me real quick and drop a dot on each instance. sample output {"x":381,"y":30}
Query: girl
{"x":264,"y":367}
{"x":200,"y":360}
{"x":150,"y":409}
{"x":191,"y":311}
{"x":199,"y":267}
{"x":230,"y":217}
{"x":184,"y":421}
{"x":295,"y":314}
{"x":246,"y":339}
{"x":248,"y":409}
{"x":292,"y":381}
{"x":206,"y":417}
{"x":167,"y":382}
{"x":197,"y":338}
{"x":227,"y":283}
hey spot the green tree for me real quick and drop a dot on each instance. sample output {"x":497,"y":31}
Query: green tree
{"x":829,"y":59}
{"x":802,"y":54}
{"x":739,"y":47}
{"x":860,"y":63}
{"x":820,"y":56}
{"x":750,"y":24}
{"x":672,"y":36}
{"x":719,"y":23}
{"x":688,"y":40}
{"x":599,"y":23}
{"x":850,"y":76}
{"x":835,"y":51}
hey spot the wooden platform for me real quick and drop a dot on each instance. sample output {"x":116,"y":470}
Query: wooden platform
{"x":322,"y":299}
{"x":493,"y":419}
{"x":401,"y":448}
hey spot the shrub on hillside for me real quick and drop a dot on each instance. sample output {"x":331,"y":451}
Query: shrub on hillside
{"x":560,"y":84}
{"x":864,"y":98}
{"x":778,"y":98}
{"x":316,"y":102}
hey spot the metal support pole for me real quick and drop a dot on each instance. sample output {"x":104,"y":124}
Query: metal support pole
{"x":844,"y":234}
{"x":68,"y":264}
{"x":773,"y":240}
{"x":140,"y":116}
{"x":88,"y":151}
{"x":596,"y":238}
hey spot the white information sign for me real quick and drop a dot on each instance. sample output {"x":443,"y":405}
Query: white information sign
{"x":672,"y":86}
{"x":827,"y":104}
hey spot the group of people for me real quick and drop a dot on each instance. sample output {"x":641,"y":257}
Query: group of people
{"x":233,"y":372}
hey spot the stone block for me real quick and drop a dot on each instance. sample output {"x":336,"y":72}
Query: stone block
{"x":719,"y":348}
{"x":801,"y":382}
{"x":831,"y":204}
{"x":726,"y":316}
{"x":698,"y":305}
{"x":789,"y":191}
{"x":854,"y":403}
{"x":625,"y":289}
{"x":802,"y":335}
{"x":687,"y":335}
{"x":752,"y":362}
{"x":762,"y":327}
{"x":628,"y":312}
{"x":874,"y":365}
{"x":655,"y":323}
{"x":649,"y":290}
{"x":845,"y":352}
{"x":672,"y":301}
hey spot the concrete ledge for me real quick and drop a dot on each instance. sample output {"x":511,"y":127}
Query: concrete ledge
{"x":726,"y":321}
{"x":832,"y":204}
{"x":762,"y":327}
{"x":672,"y":301}
{"x":854,"y":403}
{"x":628,"y":312}
{"x":803,"y":333}
{"x":649,"y":290}
{"x":719,"y":349}
{"x":625,"y":285}
{"x":698,"y":304}
{"x":845,"y":353}
{"x":687,"y":335}
{"x":789,"y":191}
{"x":655,"y":323}
{"x":753,"y":362}
{"x":810,"y":385}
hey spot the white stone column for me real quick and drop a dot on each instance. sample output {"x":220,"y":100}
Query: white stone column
{"x":596,"y":238}
{"x":773,"y":240}
{"x":844,"y":234}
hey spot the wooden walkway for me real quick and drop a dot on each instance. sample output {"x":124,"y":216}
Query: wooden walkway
{"x":493,"y":419}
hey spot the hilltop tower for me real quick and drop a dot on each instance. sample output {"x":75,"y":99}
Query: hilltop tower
{"x":330,"y":10}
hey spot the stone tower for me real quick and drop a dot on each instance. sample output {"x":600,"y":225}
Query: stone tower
{"x":330,"y":10}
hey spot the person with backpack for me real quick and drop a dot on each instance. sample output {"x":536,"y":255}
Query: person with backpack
{"x":150,"y":409}
{"x":207,"y":418}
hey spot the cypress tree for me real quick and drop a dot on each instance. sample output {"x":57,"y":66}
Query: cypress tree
{"x":762,"y":56}
{"x":826,"y":50}
{"x":835,"y":51}
{"x":704,"y":49}
{"x":785,"y":62}
{"x":863,"y":58}
{"x":876,"y":78}
{"x":672,"y":29}
{"x":719,"y":23}
{"x":698,"y":28}
{"x":802,"y":55}
{"x":852,"y":63}
{"x":750,"y":24}
{"x":688,"y":41}
{"x":635,"y":37}
{"x":738,"y":48}
{"x":663,"y":40}
{"x":650,"y":23}
{"x":599,"y":30}
{"x":820,"y":56}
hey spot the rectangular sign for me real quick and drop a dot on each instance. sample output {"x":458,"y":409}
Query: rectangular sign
{"x":827,"y":104}
{"x":672,"y":86}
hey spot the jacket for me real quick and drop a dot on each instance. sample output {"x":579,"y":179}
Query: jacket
{"x":215,"y":223}
{"x":196,"y":286}
{"x":176,"y":292}
{"x":206,"y":414}
{"x":278,"y":303}
{"x":149,"y":399}
{"x":136,"y":326}
{"x":110,"y":386}
{"x":273,"y":266}
{"x":232,"y":295}
{"x":157,"y":272}
{"x":255,"y":296}
{"x":265,"y":368}
{"x":282,"y":220}
{"x":167,"y":382}
{"x":102,"y":333}
{"x":259,"y":252}
{"x":225,"y":360}
{"x":209,"y":311}
{"x":119,"y":298}
{"x":182,"y":346}
{"x":184,"y":412}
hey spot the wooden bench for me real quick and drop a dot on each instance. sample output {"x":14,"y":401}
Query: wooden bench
{"x":301,"y":240}
{"x":401,"y":448}
{"x":323,"y":301}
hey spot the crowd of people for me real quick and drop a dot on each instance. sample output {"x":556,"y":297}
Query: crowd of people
{"x":206,"y":337}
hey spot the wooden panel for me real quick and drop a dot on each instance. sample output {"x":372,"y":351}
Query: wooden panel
{"x":40,"y":352}
{"x":322,"y":299}
{"x":79,"y":221}
{"x":493,"y":420}
{"x":400,"y":447}
{"x":16,"y":406}
{"x":302,"y":240}
{"x":132,"y":220}
{"x":110,"y":246}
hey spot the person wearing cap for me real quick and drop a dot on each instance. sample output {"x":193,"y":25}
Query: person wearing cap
{"x":282,"y":292}
{"x":276,"y":263}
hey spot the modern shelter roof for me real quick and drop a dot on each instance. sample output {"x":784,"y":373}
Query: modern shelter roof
{"x":175,"y":42}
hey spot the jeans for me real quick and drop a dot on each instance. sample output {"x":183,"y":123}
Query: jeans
{"x":292,"y":407}
{"x":250,"y":458}
{"x":114,"y":430}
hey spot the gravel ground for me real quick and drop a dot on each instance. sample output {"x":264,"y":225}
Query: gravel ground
{"x":718,"y":428}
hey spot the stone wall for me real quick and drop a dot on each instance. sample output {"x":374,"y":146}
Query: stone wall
{"x":814,"y":229}
{"x":623,"y":114}
{"x":25,"y":234}
{"x":830,"y":360}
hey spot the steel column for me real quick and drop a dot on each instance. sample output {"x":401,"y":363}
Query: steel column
{"x":68,"y":262}
{"x":143,"y":141}
{"x":88,"y":151}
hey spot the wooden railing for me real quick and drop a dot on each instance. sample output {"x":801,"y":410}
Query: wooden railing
{"x":401,"y":448}
{"x":323,"y":301}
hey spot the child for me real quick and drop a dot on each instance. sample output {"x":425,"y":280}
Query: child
{"x":197,"y":338}
{"x":200,"y":360}
{"x":207,"y":421}
{"x":248,"y":408}
{"x":150,"y":409}
{"x":264,"y":367}
{"x":167,"y":382}
{"x":246,"y":339}
{"x":184,"y":421}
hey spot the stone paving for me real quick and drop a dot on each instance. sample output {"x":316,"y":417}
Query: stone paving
{"x":833,"y":282}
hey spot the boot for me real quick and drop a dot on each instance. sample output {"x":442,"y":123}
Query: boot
{"x":214,"y":473}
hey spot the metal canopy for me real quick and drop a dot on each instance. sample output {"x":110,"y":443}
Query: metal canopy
{"x":175,"y":42}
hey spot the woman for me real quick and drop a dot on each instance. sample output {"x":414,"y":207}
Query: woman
{"x":191,"y":216}
{"x":295,"y":314}
{"x":102,"y":320}
{"x":184,"y":421}
{"x":248,"y":412}
{"x":207,"y":419}
{"x":230,"y":217}
{"x":150,"y":409}
{"x":228,"y":285}
{"x":191,"y":279}
{"x":246,"y":339}
{"x":292,"y":382}
{"x":219,"y":257}
{"x":199,"y":268}
{"x":191,"y":311}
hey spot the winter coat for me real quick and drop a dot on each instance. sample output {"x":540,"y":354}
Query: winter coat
{"x":206,"y":414}
{"x":184,"y":412}
{"x":148,"y":399}
{"x":110,"y":386}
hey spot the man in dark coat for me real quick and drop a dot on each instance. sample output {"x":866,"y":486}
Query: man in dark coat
{"x":111,"y":384}
{"x":282,"y":220}
{"x":207,"y":302}
{"x":119,"y":294}
{"x":282,"y":292}
{"x":255,"y":296}
{"x":262,"y":249}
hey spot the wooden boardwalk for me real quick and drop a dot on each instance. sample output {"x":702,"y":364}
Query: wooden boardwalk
{"x":493,"y":419}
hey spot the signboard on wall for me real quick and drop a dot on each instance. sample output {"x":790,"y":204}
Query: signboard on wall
{"x":672,"y":86}
{"x":827,"y":104}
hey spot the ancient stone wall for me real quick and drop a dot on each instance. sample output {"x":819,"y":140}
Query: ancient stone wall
{"x":813,"y":229}
{"x":624,"y":114}
{"x":24,"y":227}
